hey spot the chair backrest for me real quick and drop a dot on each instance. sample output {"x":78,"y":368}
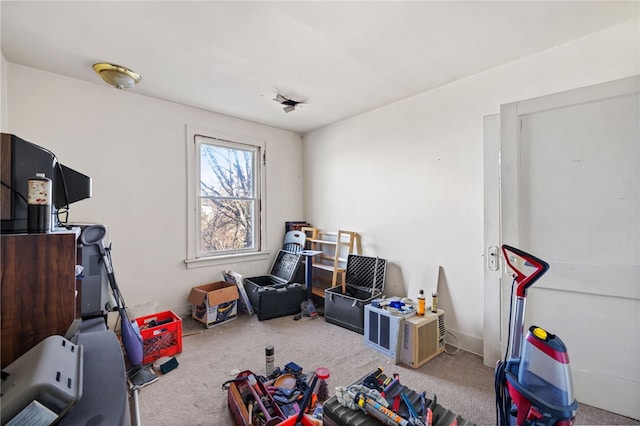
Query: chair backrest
{"x":294,"y":241}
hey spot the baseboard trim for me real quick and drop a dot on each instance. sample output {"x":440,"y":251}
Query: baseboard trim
{"x":182,"y":310}
{"x":464,"y":341}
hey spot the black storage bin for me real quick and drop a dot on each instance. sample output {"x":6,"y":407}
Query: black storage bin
{"x":365,"y":281}
{"x":275,"y":295}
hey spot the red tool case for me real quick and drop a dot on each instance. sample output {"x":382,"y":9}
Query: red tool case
{"x":241,"y":396}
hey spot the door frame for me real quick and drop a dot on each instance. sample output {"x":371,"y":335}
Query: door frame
{"x":492,"y":322}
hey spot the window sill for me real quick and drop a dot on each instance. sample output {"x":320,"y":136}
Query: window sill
{"x":223,"y":260}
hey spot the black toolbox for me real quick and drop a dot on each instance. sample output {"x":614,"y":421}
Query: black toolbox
{"x":275,"y":295}
{"x":365,"y":281}
{"x":335,"y":414}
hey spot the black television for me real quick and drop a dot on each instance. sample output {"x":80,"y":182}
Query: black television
{"x":21,"y":160}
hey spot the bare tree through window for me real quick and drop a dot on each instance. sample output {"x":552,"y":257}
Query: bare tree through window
{"x":227,"y":198}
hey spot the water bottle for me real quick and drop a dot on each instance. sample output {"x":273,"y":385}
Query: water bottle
{"x":39,"y":204}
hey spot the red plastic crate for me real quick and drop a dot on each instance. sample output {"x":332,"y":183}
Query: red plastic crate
{"x":160,"y":340}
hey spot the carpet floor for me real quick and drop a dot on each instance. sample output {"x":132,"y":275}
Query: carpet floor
{"x":192,"y":393}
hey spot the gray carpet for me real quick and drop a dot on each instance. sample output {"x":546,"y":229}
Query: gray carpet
{"x":191,"y":394}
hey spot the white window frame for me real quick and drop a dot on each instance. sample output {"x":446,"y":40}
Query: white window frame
{"x":194,"y":257}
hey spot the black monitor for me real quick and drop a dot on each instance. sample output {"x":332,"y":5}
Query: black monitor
{"x":21,"y":160}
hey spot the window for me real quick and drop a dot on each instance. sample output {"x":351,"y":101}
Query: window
{"x":226,"y":195}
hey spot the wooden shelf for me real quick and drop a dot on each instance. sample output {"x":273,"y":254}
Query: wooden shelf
{"x":324,"y":242}
{"x":331,"y":263}
{"x":318,"y":291}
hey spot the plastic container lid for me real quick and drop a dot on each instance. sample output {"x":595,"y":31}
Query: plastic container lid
{"x":322,"y":373}
{"x":286,"y":265}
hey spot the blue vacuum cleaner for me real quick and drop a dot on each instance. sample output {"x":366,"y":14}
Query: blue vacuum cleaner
{"x":533,"y":383}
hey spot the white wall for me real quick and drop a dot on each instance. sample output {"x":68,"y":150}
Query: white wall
{"x":134,"y":149}
{"x":409,"y":176}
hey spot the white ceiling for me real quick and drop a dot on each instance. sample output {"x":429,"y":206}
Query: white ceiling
{"x":341,"y":58}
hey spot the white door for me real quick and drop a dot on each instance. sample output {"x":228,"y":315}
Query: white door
{"x":570,"y":195}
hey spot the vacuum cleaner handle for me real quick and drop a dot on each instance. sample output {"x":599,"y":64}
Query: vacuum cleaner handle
{"x":93,"y":235}
{"x":523,"y":282}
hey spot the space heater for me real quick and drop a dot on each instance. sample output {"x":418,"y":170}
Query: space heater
{"x":423,"y":338}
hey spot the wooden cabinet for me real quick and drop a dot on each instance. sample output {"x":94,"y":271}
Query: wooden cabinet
{"x":38,"y":287}
{"x":330,"y":265}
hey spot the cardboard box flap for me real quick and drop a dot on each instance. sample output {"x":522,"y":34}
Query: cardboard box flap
{"x":196,"y":297}
{"x":215,"y":293}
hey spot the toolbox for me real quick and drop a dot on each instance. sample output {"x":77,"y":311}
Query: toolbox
{"x":246,"y":396}
{"x":335,"y":414}
{"x":276,"y":295}
{"x":364,"y":278}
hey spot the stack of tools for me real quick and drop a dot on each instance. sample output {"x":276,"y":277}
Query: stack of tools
{"x":250,"y":402}
{"x":313,"y":397}
{"x":286,"y":396}
{"x":380,"y":399}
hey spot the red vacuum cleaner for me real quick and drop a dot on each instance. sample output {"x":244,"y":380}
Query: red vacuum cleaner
{"x":533,"y":383}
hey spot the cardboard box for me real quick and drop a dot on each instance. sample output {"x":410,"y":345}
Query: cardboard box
{"x":214,"y":303}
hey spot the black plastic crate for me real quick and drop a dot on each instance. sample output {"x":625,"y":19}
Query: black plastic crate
{"x":275,"y":295}
{"x":365,"y":277}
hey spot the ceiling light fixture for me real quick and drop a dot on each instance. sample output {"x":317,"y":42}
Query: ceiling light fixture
{"x":116,"y":75}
